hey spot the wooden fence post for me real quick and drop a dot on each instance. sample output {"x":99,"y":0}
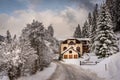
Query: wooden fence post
{"x":105,"y":67}
{"x":80,"y":63}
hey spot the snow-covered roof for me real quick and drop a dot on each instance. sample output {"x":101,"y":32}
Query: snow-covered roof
{"x":80,"y":39}
{"x":88,"y":39}
{"x":69,"y":49}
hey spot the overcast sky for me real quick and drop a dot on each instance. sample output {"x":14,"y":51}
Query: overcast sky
{"x":64,"y":15}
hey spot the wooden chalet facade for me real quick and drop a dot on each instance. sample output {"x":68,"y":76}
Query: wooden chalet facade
{"x":73,"y":48}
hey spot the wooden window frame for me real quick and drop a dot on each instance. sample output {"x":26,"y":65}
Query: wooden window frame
{"x":70,"y":56}
{"x":65,"y":56}
{"x":75,"y":56}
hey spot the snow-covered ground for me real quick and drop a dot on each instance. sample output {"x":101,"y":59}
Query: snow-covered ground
{"x":3,"y":76}
{"x":43,"y":75}
{"x":90,"y":57}
{"x":108,"y":68}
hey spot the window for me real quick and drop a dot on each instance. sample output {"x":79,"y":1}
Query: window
{"x":70,"y":56}
{"x":70,"y":52}
{"x":65,"y":56}
{"x":64,"y":48}
{"x":78,"y":49}
{"x":76,"y":56}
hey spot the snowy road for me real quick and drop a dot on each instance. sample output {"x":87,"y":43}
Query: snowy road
{"x":70,"y":72}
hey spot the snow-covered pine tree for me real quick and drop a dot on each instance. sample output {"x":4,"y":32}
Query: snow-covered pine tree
{"x":51,"y":30}
{"x":2,"y":38}
{"x":90,"y":19}
{"x":77,"y":33}
{"x":27,"y":57}
{"x":14,"y":38}
{"x":35,"y":32}
{"x":94,"y":23}
{"x":9,"y":59}
{"x":49,"y":33}
{"x":111,"y":4}
{"x":86,"y":30}
{"x":8,"y":37}
{"x":114,"y":7}
{"x":105,"y":43}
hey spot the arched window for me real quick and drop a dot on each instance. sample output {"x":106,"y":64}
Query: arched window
{"x":64,"y":48}
{"x":70,"y":52}
{"x":78,"y":49}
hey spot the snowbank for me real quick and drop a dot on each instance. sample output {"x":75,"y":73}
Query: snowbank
{"x":71,"y":61}
{"x":114,"y":67}
{"x":3,"y":76}
{"x":43,"y":75}
{"x":109,"y":68}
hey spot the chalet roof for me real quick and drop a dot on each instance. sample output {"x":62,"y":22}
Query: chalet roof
{"x":69,"y":49}
{"x":82,"y":39}
{"x":79,"y":39}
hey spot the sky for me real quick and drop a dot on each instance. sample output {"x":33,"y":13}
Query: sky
{"x":64,"y":15}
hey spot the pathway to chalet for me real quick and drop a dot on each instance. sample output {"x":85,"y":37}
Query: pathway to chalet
{"x":71,"y":72}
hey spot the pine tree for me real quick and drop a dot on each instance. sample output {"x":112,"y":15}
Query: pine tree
{"x":90,"y":19}
{"x":111,"y":4}
{"x":105,"y":39}
{"x":36,"y":34}
{"x":94,"y":22}
{"x":51,"y":30}
{"x":2,"y":38}
{"x":14,"y":37}
{"x":9,"y":57}
{"x":8,"y":37}
{"x":117,"y":15}
{"x":77,"y":33}
{"x":114,"y":8}
{"x":86,"y":30}
{"x":27,"y":57}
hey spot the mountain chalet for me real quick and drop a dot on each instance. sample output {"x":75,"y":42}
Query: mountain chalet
{"x":74,"y":48}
